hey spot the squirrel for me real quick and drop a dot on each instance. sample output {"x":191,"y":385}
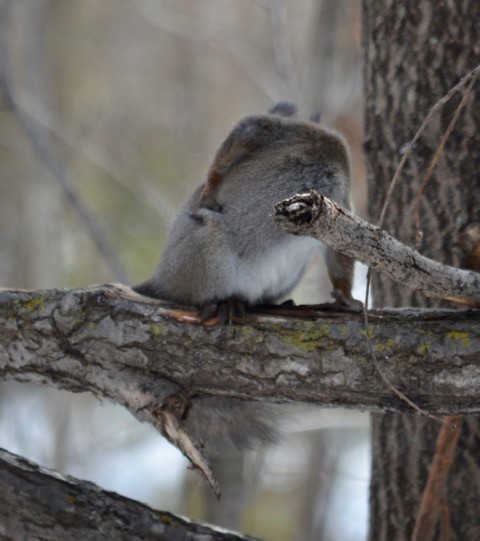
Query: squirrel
{"x":224,"y":253}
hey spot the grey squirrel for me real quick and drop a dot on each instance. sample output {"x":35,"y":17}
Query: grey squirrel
{"x":224,"y":253}
{"x":223,"y":249}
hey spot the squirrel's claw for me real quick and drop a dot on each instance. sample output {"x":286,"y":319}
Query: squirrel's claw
{"x":222,"y":312}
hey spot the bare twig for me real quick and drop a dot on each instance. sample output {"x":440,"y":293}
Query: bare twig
{"x":438,"y":153}
{"x":440,"y":103}
{"x":40,"y":142}
{"x":434,"y":495}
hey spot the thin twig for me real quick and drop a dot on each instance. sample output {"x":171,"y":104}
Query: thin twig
{"x":379,"y":369}
{"x":433,"y":498}
{"x":440,"y":103}
{"x":437,"y":155}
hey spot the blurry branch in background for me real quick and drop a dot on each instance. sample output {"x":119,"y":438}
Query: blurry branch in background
{"x":62,"y":507}
{"x":79,"y":145}
{"x":335,"y":69}
{"x":282,"y":48}
{"x":238,"y":49}
{"x":40,"y":141}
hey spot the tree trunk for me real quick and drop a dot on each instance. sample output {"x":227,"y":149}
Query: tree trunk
{"x":415,"y":51}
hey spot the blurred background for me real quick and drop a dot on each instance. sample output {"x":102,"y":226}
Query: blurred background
{"x":110,"y":112}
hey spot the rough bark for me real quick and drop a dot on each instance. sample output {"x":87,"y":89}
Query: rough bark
{"x":415,"y":51}
{"x":61,"y":507}
{"x":138,"y":352}
{"x":314,"y":215}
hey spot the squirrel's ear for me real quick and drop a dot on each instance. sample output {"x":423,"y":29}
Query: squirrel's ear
{"x":283,"y":108}
{"x":207,"y":197}
{"x":245,"y":138}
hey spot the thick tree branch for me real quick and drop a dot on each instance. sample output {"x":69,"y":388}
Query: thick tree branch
{"x":314,"y":215}
{"x":139,"y":352}
{"x":61,"y":507}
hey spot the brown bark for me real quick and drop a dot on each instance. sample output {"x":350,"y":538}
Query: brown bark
{"x":415,"y":52}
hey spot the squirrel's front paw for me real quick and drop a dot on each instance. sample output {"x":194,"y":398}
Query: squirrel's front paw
{"x":221,"y":312}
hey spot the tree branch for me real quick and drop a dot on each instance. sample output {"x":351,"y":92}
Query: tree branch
{"x":61,"y":507}
{"x":317,"y":216}
{"x":138,"y":352}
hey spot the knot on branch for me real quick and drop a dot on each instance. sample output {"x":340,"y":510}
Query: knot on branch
{"x":298,"y":212}
{"x":177,"y":405}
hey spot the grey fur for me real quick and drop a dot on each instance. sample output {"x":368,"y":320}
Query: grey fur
{"x":212,"y":255}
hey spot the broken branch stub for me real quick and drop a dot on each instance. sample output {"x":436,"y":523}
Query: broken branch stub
{"x":314,"y":215}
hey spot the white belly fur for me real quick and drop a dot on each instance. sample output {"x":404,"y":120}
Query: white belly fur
{"x":274,"y":271}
